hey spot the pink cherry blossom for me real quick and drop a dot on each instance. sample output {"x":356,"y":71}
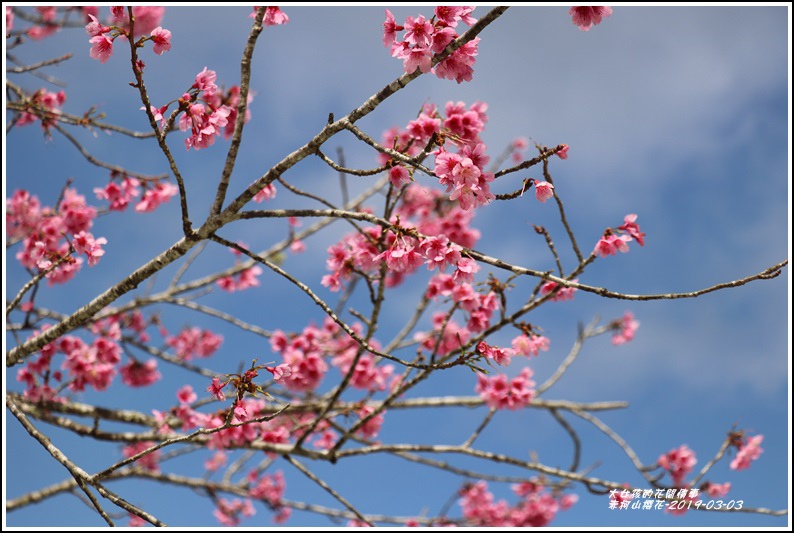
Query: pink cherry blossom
{"x":38,"y":33}
{"x":401,"y":257}
{"x":89,"y":10}
{"x":269,"y":488}
{"x":308,"y":369}
{"x":399,"y":175}
{"x":585,"y":17}
{"x":195,"y":342}
{"x":500,"y":393}
{"x":530,"y":345}
{"x":85,"y":243}
{"x":23,"y":214}
{"x":326,"y":441}
{"x":450,"y":15}
{"x":102,"y":47}
{"x":136,"y":521}
{"x":678,"y":462}
{"x":414,"y":58}
{"x":331,"y":281}
{"x":282,"y":515}
{"x":273,"y":16}
{"x":77,"y":215}
{"x":216,"y":389}
{"x":418,"y":32}
{"x":185,"y":395}
{"x":630,"y":226}
{"x":228,"y":512}
{"x":749,"y":452}
{"x":150,"y":461}
{"x":137,"y":374}
{"x":94,"y":27}
{"x":564,"y":293}
{"x":162,"y":40}
{"x":372,"y":427}
{"x":147,"y":18}
{"x":466,"y":268}
{"x":50,"y":101}
{"x":500,"y":356}
{"x":440,"y":285}
{"x":390,"y":29}
{"x":439,"y":252}
{"x":216,"y":461}
{"x":627,"y":327}
{"x":119,"y":195}
{"x":467,"y":123}
{"x":280,"y":372}
{"x":543,"y":190}
{"x":156,"y":196}
{"x":611,"y":244}
{"x":205,"y":81}
{"x":9,"y":20}
{"x":267,"y":193}
{"x":717,"y":490}
{"x":562,"y":153}
{"x":458,"y":66}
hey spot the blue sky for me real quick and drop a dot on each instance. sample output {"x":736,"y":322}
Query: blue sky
{"x":679,"y":114}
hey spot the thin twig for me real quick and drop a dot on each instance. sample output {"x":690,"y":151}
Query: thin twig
{"x":308,"y":473}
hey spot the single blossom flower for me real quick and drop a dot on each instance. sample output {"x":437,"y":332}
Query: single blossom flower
{"x":749,"y":452}
{"x":102,"y":47}
{"x":162,"y":40}
{"x":280,"y":372}
{"x":216,"y":389}
{"x":543,"y":190}
{"x":562,"y":153}
{"x":585,"y":17}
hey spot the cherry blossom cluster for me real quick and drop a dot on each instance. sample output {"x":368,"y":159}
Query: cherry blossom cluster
{"x":478,"y":306}
{"x":242,"y":280}
{"x":205,"y":122}
{"x":445,"y":225}
{"x":228,"y":512}
{"x":206,"y":111}
{"x":678,"y":462}
{"x":93,"y":364}
{"x":446,"y":336}
{"x":44,"y":105}
{"x":193,"y":342}
{"x":499,"y":392}
{"x":616,"y":240}
{"x":244,"y":411}
{"x":243,"y":408}
{"x":562,"y":293}
{"x":121,"y":190}
{"x":423,"y":38}
{"x":306,"y":355}
{"x":49,"y":236}
{"x":536,"y":507}
{"x":147,"y":21}
{"x":270,"y":489}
